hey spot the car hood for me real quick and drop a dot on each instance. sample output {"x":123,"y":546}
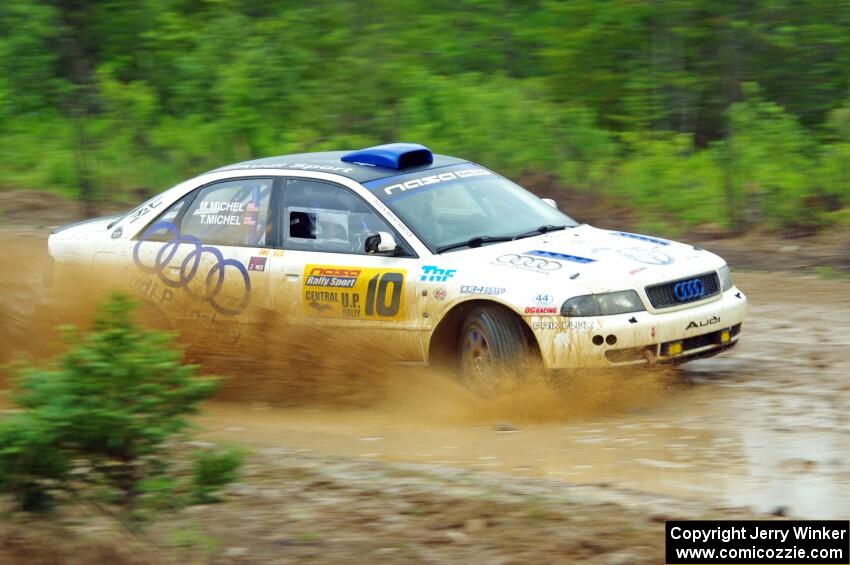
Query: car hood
{"x":585,"y":258}
{"x":89,"y":226}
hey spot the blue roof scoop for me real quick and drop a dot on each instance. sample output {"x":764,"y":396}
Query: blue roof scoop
{"x":392,"y":156}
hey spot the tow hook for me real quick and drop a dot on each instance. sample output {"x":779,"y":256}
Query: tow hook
{"x":649,"y":353}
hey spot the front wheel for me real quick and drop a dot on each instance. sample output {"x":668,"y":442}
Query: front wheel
{"x":494,"y":348}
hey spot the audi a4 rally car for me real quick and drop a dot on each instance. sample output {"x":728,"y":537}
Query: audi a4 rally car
{"x":441,"y":258}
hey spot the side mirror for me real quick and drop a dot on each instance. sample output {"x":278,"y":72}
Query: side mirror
{"x":381,"y":242}
{"x":550,"y":202}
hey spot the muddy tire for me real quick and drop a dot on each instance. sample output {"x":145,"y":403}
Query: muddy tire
{"x":494,"y":349}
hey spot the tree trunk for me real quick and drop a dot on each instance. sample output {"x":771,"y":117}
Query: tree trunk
{"x":82,"y":100}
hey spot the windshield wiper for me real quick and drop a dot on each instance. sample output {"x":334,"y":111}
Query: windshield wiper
{"x":477,"y":241}
{"x":540,"y":230}
{"x":480,"y":240}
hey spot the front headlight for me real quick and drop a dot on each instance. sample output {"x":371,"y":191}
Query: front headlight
{"x":607,"y":304}
{"x":580,"y":307}
{"x":725,"y":278}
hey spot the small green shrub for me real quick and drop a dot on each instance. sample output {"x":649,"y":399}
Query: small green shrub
{"x":102,"y":418}
{"x":212,"y":470}
{"x":31,"y":465}
{"x":161,"y":493}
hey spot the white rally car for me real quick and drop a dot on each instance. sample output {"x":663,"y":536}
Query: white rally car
{"x":439,"y":257}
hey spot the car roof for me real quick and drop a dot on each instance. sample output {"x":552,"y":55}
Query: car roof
{"x":331,"y":162}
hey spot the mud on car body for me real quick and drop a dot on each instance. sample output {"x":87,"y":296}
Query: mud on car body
{"x":441,"y":258}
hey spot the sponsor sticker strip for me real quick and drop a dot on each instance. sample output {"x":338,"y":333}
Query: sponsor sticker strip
{"x":434,"y":179}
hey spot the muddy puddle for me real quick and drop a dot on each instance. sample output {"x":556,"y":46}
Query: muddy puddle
{"x":713,"y":435}
{"x":765,"y":426}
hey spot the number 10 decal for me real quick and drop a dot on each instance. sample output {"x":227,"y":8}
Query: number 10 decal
{"x":376,"y":294}
{"x":353,"y":292}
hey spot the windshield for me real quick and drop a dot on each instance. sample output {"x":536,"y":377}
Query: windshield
{"x":454,"y":204}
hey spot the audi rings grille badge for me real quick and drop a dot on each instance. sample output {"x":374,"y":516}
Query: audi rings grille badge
{"x":686,"y":291}
{"x":531,"y":262}
{"x":190,"y":268}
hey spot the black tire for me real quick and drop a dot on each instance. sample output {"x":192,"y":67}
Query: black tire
{"x":493,"y":347}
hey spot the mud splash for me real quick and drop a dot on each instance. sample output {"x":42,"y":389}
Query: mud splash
{"x":22,"y":326}
{"x":281,"y":365}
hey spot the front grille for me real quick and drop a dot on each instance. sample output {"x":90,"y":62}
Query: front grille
{"x":664,"y":296}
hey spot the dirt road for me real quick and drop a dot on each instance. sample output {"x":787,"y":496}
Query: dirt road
{"x":763,"y":428}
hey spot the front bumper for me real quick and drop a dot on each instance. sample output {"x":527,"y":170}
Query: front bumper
{"x":642,"y":338}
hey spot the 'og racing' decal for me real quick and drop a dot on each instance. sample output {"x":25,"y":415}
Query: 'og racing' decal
{"x":356,"y":293}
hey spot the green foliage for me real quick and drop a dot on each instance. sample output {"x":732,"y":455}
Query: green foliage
{"x":827,"y":272}
{"x":32,"y":463}
{"x":771,"y":162}
{"x":35,"y":152}
{"x":632,"y":100}
{"x":668,"y":180}
{"x":28,"y":58}
{"x":161,"y":492}
{"x":212,"y":470}
{"x":107,"y":411}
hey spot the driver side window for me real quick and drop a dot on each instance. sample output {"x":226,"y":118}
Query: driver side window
{"x":231,"y":212}
{"x":319,"y":216}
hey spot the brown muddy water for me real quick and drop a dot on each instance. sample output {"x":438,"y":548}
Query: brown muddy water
{"x":766,"y":425}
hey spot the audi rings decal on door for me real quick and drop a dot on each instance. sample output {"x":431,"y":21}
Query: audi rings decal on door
{"x":530,"y":262}
{"x":215,"y":277}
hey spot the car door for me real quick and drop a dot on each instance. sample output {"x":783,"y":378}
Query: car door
{"x":323,"y":277}
{"x":203,"y":261}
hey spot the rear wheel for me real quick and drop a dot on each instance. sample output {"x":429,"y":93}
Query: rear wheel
{"x":494,"y":348}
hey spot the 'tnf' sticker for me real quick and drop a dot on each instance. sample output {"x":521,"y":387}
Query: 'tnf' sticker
{"x":257,"y":264}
